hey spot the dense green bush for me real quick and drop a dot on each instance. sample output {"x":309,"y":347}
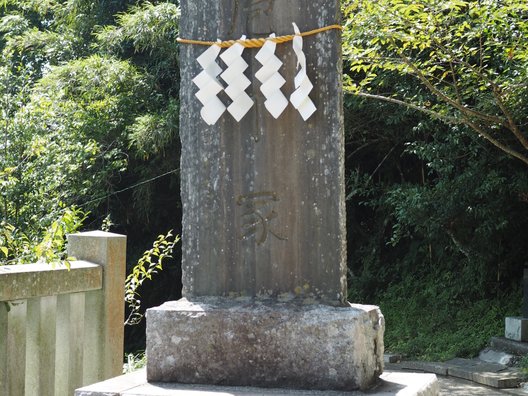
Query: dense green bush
{"x":426,"y":320}
{"x":435,"y":231}
{"x":437,"y":196}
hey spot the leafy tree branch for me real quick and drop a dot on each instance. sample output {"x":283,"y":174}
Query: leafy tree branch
{"x":470,"y":56}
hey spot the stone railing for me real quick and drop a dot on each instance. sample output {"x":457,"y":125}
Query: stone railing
{"x":61,"y":329}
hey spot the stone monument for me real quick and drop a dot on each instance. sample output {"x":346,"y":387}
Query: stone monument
{"x":264,"y":243}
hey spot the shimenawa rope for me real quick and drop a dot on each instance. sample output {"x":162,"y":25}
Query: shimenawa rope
{"x":258,"y":42}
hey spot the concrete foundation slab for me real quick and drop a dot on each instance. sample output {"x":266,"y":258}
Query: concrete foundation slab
{"x":438,"y":368}
{"x":489,"y":374}
{"x":504,"y":344}
{"x":516,"y":328}
{"x":391,"y":384}
{"x":248,"y":342}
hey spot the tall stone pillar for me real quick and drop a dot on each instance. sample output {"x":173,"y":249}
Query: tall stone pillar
{"x":264,"y":238}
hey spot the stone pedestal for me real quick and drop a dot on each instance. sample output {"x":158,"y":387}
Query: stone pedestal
{"x":214,"y":340}
{"x":516,"y":329}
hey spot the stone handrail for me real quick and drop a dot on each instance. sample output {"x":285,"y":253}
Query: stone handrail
{"x":63,"y":328}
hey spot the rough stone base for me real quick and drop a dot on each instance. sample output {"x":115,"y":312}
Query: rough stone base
{"x":516,"y":329}
{"x":273,"y":344}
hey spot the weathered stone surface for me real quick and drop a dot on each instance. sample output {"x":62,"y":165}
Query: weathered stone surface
{"x":495,"y":380}
{"x":428,"y":367}
{"x":511,"y":346}
{"x":493,"y":356}
{"x":37,"y":280}
{"x":392,"y":358}
{"x":263,"y":199}
{"x":265,"y":343}
{"x":409,"y":384}
{"x":104,"y":335}
{"x":67,"y":328}
{"x":516,"y":329}
{"x":490,"y":374}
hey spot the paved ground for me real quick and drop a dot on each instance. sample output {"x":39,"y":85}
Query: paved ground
{"x":457,"y":384}
{"x":459,"y":387}
{"x":449,"y":386}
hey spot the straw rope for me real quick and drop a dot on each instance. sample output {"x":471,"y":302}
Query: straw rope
{"x":259,"y":42}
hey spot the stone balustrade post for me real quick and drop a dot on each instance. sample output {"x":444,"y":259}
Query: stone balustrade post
{"x":104,"y":335}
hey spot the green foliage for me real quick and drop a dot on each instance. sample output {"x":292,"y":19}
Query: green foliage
{"x":149,"y":264}
{"x":134,"y":362}
{"x":67,"y":142}
{"x":470,"y":56}
{"x":82,"y":119}
{"x":152,"y":133}
{"x":82,"y":17}
{"x":146,"y":35}
{"x":464,"y":198}
{"x":436,"y":222}
{"x":523,"y":365}
{"x":435,"y":216}
{"x":435,"y":219}
{"x":425,"y":321}
{"x":64,"y":115}
{"x":89,"y":119}
{"x":17,"y":247}
{"x":107,"y":223}
{"x":52,"y":247}
{"x":147,"y":27}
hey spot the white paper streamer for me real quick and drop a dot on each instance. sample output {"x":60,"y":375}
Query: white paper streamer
{"x":299,"y":98}
{"x":236,"y":81}
{"x":209,"y":86}
{"x":271,"y":79}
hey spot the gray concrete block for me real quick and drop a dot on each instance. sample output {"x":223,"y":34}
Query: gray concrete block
{"x":246,"y":342}
{"x":488,"y":378}
{"x":23,"y":281}
{"x":511,"y":346}
{"x":496,"y":380}
{"x":428,"y":367}
{"x":392,"y":358}
{"x":476,"y":365}
{"x":460,"y":372}
{"x":516,"y":328}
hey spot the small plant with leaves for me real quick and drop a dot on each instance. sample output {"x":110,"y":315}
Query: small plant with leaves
{"x":17,"y":247}
{"x":149,"y":264}
{"x":107,"y":223}
{"x":523,"y":365}
{"x":52,"y":248}
{"x":134,"y":362}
